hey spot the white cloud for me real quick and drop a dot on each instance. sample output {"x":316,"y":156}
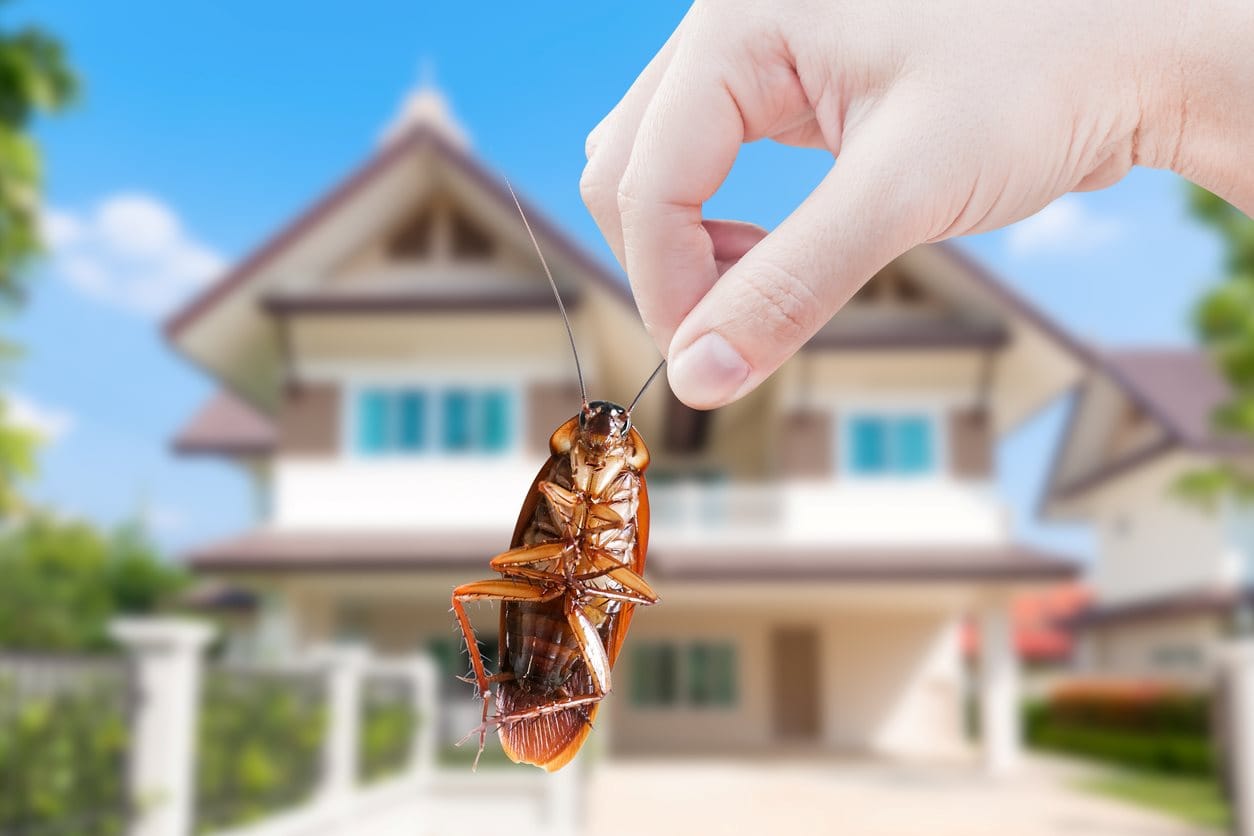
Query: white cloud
{"x":162,"y":519}
{"x":50,"y":423}
{"x":130,"y":251}
{"x":1064,"y":227}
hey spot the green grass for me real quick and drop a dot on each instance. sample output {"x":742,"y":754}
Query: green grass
{"x":1196,"y":800}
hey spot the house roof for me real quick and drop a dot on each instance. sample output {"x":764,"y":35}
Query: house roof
{"x":1210,"y":601}
{"x":1041,"y":623}
{"x":269,"y":550}
{"x":226,"y":425}
{"x":1178,"y":388}
{"x":419,"y":135}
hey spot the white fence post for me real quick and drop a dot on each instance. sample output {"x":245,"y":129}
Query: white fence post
{"x":167,"y":654}
{"x":344,"y":667}
{"x":1240,"y":728}
{"x":1000,"y":725}
{"x":426,"y":708}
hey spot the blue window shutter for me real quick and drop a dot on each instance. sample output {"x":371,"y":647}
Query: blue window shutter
{"x":456,"y":431}
{"x":869,"y":439}
{"x":913,"y":445}
{"x":495,"y":418}
{"x":373,"y":421}
{"x":413,"y":416}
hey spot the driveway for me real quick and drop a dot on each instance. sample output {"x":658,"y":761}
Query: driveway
{"x":856,"y":799}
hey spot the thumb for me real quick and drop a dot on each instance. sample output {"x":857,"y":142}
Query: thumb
{"x":869,"y":209}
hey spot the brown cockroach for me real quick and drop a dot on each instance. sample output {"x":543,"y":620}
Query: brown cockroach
{"x":570,"y":582}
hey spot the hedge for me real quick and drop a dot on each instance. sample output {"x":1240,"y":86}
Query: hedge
{"x":1147,"y":726}
{"x":62,"y":761}
{"x":388,"y":724}
{"x":260,"y":746}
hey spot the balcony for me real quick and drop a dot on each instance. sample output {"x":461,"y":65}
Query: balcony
{"x":486,"y":494}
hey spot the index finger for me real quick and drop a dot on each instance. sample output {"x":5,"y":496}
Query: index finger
{"x":684,"y":149}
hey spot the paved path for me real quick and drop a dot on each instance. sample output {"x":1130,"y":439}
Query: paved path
{"x":856,"y":799}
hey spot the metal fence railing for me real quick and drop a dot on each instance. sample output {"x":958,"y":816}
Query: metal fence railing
{"x":64,"y":745}
{"x":259,"y":743}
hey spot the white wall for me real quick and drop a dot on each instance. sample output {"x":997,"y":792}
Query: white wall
{"x":1185,"y":649}
{"x":1152,"y":543}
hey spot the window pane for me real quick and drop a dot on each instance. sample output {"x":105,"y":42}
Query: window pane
{"x":373,"y":421}
{"x":869,"y":440}
{"x":913,"y":447}
{"x":455,"y":419}
{"x":495,"y":419}
{"x":712,"y":674}
{"x":654,"y":677}
{"x":413,"y":430}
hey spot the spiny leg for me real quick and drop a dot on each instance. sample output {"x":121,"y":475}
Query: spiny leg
{"x":522,"y":562}
{"x":490,"y":590}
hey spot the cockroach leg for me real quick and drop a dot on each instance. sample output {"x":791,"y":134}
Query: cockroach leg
{"x":497,"y":590}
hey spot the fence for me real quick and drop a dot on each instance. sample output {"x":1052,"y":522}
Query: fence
{"x":64,"y":743}
{"x":296,"y":748}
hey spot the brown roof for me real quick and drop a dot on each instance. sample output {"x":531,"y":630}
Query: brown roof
{"x":352,"y":551}
{"x":1181,"y":388}
{"x":394,"y":301}
{"x":1217,"y":601}
{"x":226,"y":425}
{"x":912,"y":335}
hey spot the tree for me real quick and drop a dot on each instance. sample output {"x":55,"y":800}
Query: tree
{"x":34,"y":78}
{"x":63,"y":581}
{"x":1224,"y":320}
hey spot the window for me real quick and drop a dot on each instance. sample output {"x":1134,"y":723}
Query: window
{"x":711,"y":674}
{"x":457,"y":420}
{"x":654,"y":678}
{"x":891,"y":444}
{"x":700,"y":674}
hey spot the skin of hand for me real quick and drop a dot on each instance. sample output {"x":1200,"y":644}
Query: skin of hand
{"x":945,"y":118}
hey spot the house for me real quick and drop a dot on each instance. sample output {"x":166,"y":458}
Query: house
{"x":391,"y":366}
{"x":1043,"y":619}
{"x":1172,"y":578}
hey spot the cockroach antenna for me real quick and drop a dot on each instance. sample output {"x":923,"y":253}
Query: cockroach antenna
{"x":583,"y":392}
{"x":640,"y":394}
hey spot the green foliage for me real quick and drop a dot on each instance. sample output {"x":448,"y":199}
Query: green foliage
{"x":388,"y":724}
{"x":1224,"y":321}
{"x":64,"y":581}
{"x":1150,"y":729}
{"x":1196,"y":800}
{"x":62,"y":761}
{"x":17,"y":463}
{"x":34,"y":78}
{"x":259,"y":749}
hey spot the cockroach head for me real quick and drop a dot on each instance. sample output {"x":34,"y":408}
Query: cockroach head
{"x":602,"y":423}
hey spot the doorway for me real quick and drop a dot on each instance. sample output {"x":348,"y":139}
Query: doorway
{"x":797,"y":707}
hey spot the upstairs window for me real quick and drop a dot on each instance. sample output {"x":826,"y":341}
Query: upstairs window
{"x":454,"y":421}
{"x":890,"y":444}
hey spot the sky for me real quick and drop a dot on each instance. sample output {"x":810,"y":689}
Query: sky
{"x":205,"y":126}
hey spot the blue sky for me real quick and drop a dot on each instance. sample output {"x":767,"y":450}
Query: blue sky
{"x":205,"y":126}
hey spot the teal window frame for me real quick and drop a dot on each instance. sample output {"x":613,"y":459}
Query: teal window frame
{"x":888,"y":444}
{"x":433,"y":420}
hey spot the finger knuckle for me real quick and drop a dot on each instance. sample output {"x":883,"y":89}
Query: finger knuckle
{"x":595,"y":188}
{"x":791,"y":310}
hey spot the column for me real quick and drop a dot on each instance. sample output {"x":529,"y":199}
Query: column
{"x":344,"y":667}
{"x":1239,"y":725}
{"x":1000,"y":722}
{"x":167,"y":657}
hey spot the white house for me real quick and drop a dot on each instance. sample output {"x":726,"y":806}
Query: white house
{"x":1172,"y":578}
{"x":392,"y":364}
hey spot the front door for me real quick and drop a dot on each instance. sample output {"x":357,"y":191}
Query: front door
{"x":795,"y":677}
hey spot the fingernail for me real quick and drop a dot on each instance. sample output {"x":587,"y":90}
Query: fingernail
{"x":708,"y":372}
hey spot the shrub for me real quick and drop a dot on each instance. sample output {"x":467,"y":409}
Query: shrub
{"x":62,"y":760}
{"x":1149,"y":726}
{"x":260,"y":746}
{"x":388,"y":724}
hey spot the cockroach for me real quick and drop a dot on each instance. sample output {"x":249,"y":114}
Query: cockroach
{"x":570,"y":581}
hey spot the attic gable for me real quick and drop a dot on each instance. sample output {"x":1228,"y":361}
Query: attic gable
{"x":345,"y":245}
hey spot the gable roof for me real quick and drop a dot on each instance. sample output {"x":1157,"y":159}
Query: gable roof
{"x":419,"y":136}
{"x":1178,"y":389}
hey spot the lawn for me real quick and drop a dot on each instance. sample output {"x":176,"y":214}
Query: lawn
{"x":1196,"y":800}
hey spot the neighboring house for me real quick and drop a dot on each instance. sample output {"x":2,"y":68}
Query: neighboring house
{"x":1043,"y":620}
{"x":392,"y":364}
{"x":1171,"y":578}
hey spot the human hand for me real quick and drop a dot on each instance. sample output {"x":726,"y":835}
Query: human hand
{"x":946,"y":118}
